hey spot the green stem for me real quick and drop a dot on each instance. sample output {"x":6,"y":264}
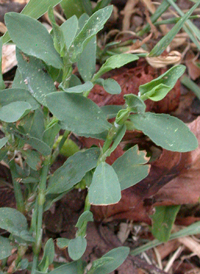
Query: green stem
{"x":67,"y":72}
{"x":40,"y":209}
{"x":57,"y":150}
{"x":17,"y":188}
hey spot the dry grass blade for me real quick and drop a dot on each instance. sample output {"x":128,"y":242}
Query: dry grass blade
{"x":127,"y":13}
{"x":174,"y":57}
{"x":191,"y":244}
{"x":161,"y":9}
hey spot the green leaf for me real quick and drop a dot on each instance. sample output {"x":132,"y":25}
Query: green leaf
{"x":34,"y":124}
{"x":79,"y":88}
{"x":14,"y":111}
{"x":87,"y":5}
{"x":111,"y":110}
{"x":23,"y":264}
{"x":134,"y":103}
{"x":69,"y":29}
{"x":87,"y":59}
{"x":105,"y":187}
{"x":74,"y":81}
{"x":131,"y":168}
{"x":13,"y":221}
{"x":110,"y":85}
{"x":3,"y":152}
{"x":165,"y":131}
{"x":32,"y":38}
{"x":5,"y":248}
{"x":38,"y":144}
{"x":77,"y":247}
{"x":101,"y":4}
{"x":58,"y":36}
{"x":50,"y":133}
{"x":2,"y":85}
{"x":77,"y":113}
{"x":70,"y":268}
{"x":99,"y":263}
{"x":118,"y":137}
{"x":118,"y":254}
{"x":86,"y":216}
{"x":18,"y":81}
{"x":158,"y":88}
{"x":62,"y":243}
{"x":32,"y":159}
{"x":38,"y":82}
{"x":115,"y":61}
{"x":11,"y":95}
{"x":34,"y":9}
{"x":163,"y":220}
{"x":72,"y":7}
{"x":122,"y":116}
{"x":48,"y":256}
{"x":3,"y":141}
{"x":73,"y":170}
{"x":167,"y":39}
{"x":94,"y":24}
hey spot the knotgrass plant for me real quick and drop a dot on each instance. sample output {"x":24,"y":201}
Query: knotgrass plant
{"x":33,"y":112}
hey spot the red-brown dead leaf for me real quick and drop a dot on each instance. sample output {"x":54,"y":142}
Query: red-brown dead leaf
{"x":193,"y":69}
{"x":130,"y":80}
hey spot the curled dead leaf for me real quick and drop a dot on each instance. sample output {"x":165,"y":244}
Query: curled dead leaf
{"x":173,"y":57}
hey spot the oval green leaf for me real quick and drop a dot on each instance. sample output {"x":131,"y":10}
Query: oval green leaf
{"x":3,"y":141}
{"x":77,"y":247}
{"x":73,"y":170}
{"x":13,"y":221}
{"x":35,"y":76}
{"x":10,"y":95}
{"x":163,"y":220}
{"x":77,"y":113}
{"x":115,"y":61}
{"x":5,"y":248}
{"x":32,"y":38}
{"x":105,"y":187}
{"x":165,"y":131}
{"x":131,"y":168}
{"x":14,"y":111}
{"x":118,"y":254}
{"x":158,"y":88}
{"x":94,"y":24}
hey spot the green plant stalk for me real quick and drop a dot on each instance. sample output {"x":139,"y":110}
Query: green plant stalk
{"x":186,"y":81}
{"x":67,"y":72}
{"x":59,"y":147}
{"x":82,"y":231}
{"x":40,"y":209}
{"x":109,"y":140}
{"x":17,"y":189}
